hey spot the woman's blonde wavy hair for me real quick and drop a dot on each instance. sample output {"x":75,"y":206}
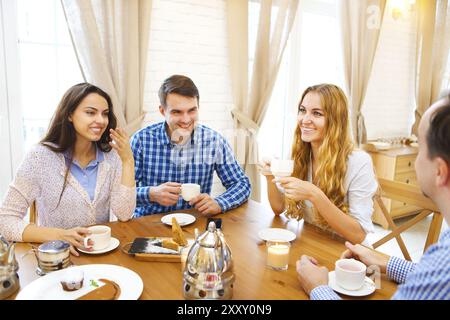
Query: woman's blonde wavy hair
{"x":333,"y":153}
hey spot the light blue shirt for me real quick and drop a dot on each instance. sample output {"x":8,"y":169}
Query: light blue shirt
{"x":87,"y":176}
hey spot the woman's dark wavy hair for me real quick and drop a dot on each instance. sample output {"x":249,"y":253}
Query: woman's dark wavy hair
{"x":438,"y":135}
{"x":61,"y":135}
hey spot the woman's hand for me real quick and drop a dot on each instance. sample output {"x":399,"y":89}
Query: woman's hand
{"x":75,"y":237}
{"x":296,"y":189}
{"x":121,"y":143}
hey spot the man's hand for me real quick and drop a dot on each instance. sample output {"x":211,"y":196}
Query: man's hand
{"x":310,"y":274}
{"x":205,"y":204}
{"x":367,"y":256}
{"x":165,"y":194}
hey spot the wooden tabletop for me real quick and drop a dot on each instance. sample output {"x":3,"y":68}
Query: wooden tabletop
{"x":253,"y":280}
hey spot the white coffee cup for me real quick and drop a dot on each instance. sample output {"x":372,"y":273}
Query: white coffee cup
{"x":100,"y":236}
{"x":282,"y":168}
{"x":190,"y":191}
{"x":350,"y":273}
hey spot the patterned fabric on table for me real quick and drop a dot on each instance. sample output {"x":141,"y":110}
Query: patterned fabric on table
{"x":158,"y":160}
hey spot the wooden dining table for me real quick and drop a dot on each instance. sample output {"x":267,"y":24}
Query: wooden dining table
{"x":240,"y":226}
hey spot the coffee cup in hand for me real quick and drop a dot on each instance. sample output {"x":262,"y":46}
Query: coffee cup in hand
{"x":282,"y":168}
{"x":350,"y":273}
{"x":189,"y":191}
{"x":100,"y":237}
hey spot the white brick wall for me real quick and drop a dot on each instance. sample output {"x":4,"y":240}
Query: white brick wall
{"x":390,"y":101}
{"x":189,"y":37}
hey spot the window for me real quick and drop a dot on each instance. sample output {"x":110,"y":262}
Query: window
{"x":41,"y":65}
{"x":390,"y":98}
{"x":6,"y":168}
{"x":48,"y":65}
{"x":310,"y":58}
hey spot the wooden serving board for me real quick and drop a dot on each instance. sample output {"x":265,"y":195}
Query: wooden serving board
{"x":158,"y":257}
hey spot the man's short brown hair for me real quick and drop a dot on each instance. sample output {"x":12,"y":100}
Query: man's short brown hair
{"x":438,"y":135}
{"x":179,"y":84}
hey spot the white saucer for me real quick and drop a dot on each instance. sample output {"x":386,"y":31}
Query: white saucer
{"x":276,"y":234}
{"x":367,"y":288}
{"x":114,"y":243}
{"x":183,"y":219}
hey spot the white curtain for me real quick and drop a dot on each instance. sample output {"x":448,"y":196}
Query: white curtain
{"x":276,"y":18}
{"x":360,"y":23}
{"x":433,"y":49}
{"x":111,"y":43}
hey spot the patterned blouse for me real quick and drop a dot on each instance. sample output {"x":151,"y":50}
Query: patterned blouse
{"x":40,"y":178}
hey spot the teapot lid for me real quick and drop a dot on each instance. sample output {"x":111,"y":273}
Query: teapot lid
{"x":54,"y":246}
{"x":210,"y":238}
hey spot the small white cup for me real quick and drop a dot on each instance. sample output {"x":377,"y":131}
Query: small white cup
{"x":282,"y":168}
{"x":190,"y":191}
{"x":100,"y":236}
{"x":350,"y":274}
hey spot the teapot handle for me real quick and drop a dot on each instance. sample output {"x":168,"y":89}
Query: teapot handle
{"x":32,"y":250}
{"x":196,"y":234}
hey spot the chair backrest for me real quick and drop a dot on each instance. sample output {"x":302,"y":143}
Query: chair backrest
{"x":412,"y":195}
{"x":33,"y":213}
{"x":407,"y":193}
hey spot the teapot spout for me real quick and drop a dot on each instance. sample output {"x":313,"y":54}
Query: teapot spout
{"x":12,"y":257}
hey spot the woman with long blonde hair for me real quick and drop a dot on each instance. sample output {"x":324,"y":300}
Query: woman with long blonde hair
{"x":332,"y":184}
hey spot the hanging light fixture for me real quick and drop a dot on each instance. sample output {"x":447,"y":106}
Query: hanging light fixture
{"x":400,"y":8}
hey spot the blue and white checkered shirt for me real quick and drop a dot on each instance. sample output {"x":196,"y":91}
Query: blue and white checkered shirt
{"x":429,"y":279}
{"x":158,"y":160}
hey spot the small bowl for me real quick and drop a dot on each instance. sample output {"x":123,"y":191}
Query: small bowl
{"x":381,"y":145}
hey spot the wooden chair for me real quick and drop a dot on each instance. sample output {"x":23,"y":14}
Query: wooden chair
{"x":411,"y":195}
{"x":33,"y":213}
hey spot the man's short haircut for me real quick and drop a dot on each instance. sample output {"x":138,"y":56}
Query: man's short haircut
{"x":438,"y":135}
{"x":179,"y":84}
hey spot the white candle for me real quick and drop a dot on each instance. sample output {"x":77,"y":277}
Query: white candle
{"x":278,"y":256}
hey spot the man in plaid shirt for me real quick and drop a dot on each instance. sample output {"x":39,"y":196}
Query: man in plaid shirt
{"x":179,"y":150}
{"x":430,"y":278}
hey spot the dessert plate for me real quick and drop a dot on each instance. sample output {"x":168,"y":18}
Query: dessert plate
{"x":49,"y":286}
{"x":183,"y":219}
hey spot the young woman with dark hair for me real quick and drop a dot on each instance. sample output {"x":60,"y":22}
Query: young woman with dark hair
{"x":78,"y":175}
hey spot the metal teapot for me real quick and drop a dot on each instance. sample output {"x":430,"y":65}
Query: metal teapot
{"x":9,"y":279}
{"x":208,"y":273}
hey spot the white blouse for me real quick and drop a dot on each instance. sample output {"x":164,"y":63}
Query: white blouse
{"x":361,"y":185}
